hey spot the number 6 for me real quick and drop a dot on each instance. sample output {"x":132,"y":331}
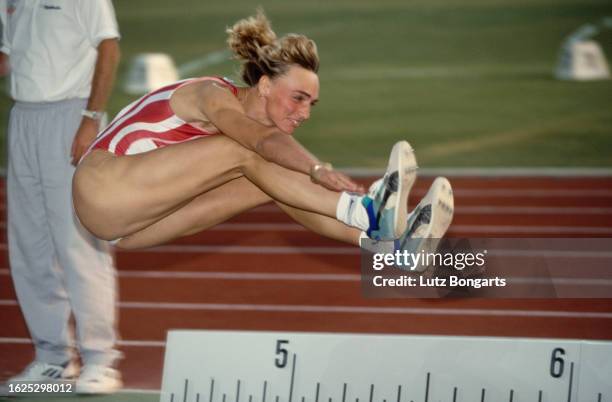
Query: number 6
{"x":557,"y":363}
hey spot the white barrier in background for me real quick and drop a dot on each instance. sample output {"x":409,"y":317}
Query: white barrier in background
{"x":582,"y":58}
{"x":149,"y":71}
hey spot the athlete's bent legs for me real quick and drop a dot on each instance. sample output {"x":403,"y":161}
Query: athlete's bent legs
{"x":222,"y":203}
{"x":203,"y":212}
{"x":323,"y":225}
{"x":118,"y":196}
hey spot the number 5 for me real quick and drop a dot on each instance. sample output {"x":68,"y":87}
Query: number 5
{"x":281,"y":353}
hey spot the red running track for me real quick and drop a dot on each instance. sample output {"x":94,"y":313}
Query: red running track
{"x":277,"y":276}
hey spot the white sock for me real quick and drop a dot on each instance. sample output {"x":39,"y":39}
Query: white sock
{"x":350,"y":211}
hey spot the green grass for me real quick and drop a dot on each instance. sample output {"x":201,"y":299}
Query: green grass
{"x":467,"y":83}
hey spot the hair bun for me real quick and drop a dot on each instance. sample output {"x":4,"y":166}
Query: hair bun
{"x":253,"y":42}
{"x":248,"y":36}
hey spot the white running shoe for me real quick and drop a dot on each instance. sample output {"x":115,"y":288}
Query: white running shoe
{"x":429,"y":221}
{"x":387,"y":199}
{"x":96,"y":379}
{"x":44,"y":372}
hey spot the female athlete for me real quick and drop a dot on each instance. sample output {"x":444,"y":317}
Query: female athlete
{"x":193,"y":154}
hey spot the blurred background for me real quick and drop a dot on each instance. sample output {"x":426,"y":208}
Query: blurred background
{"x":467,"y":83}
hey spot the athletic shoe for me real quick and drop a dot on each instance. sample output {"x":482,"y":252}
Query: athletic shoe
{"x":96,"y":379}
{"x":387,"y":199}
{"x":429,"y":221}
{"x":45,"y":372}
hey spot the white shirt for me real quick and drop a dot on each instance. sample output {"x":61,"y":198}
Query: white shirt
{"x":52,"y":46}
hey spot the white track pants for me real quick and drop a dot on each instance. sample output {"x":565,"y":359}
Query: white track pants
{"x":58,"y":268}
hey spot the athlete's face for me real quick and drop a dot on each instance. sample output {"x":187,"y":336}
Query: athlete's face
{"x":290,"y":97}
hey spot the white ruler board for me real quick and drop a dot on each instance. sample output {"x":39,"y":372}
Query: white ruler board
{"x":237,"y":366}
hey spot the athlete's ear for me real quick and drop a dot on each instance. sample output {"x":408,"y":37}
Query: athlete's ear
{"x":263,"y":86}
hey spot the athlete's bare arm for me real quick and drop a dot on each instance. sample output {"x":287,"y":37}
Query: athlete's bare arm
{"x":212,"y":102}
{"x":222,"y":108}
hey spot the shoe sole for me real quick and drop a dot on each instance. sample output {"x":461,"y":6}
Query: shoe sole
{"x":440,"y":196}
{"x":443,"y":210}
{"x":402,"y":161}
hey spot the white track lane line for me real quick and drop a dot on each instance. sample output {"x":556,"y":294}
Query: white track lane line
{"x":472,"y":209}
{"x":135,"y":343}
{"x":518,"y":192}
{"x":492,"y":210}
{"x":474,"y":229}
{"x":271,"y":276}
{"x":285,"y":308}
{"x":195,"y":248}
{"x":271,"y":250}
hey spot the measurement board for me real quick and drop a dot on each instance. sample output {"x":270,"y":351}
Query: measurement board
{"x":238,"y":366}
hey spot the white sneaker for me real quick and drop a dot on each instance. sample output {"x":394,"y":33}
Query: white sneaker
{"x":387,"y":199}
{"x":429,"y":221}
{"x":44,"y":372}
{"x":96,"y":379}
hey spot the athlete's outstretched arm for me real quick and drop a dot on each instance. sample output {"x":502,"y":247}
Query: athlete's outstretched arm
{"x":218,"y":105}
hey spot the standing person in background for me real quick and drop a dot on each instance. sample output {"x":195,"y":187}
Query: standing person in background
{"x":3,"y":57}
{"x":63,"y":55}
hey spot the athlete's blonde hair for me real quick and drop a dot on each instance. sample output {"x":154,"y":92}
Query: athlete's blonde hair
{"x":254,"y":43}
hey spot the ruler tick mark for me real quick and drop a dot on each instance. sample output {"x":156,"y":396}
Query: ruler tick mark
{"x":482,"y":395}
{"x":427,"y":387}
{"x":292,"y":378}
{"x":455,"y":394}
{"x":571,"y":382}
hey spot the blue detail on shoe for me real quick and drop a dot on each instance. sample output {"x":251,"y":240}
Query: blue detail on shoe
{"x":368,"y":204}
{"x":381,"y":219}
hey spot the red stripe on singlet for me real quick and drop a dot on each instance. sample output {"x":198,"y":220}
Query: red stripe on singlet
{"x":173,"y":136}
{"x":152,"y":113}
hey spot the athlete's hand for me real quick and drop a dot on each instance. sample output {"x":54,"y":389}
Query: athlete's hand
{"x":87,"y":132}
{"x":336,"y":181}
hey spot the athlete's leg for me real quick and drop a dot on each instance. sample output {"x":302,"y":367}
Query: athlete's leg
{"x":117,"y":196}
{"x":222,"y":203}
{"x":323,"y":225}
{"x":204,"y":211}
